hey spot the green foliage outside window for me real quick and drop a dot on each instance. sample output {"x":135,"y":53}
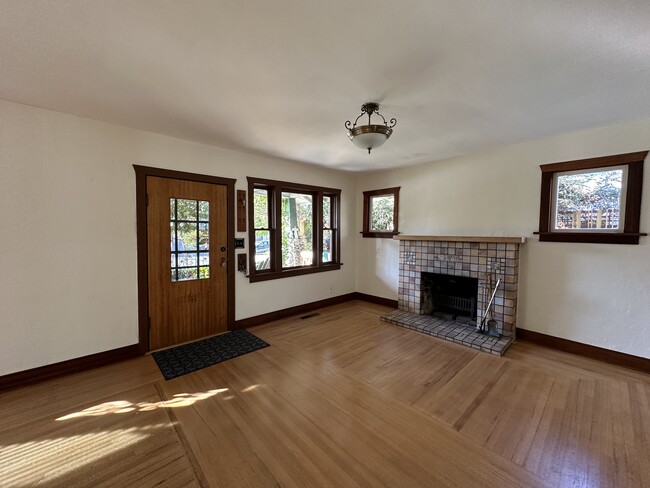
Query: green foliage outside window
{"x":381,"y":213}
{"x":588,"y":200}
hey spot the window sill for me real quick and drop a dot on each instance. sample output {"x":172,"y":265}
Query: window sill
{"x":275,"y":275}
{"x":382,"y":235}
{"x":592,"y":237}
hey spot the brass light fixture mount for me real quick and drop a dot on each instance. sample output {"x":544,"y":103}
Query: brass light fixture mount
{"x":371,"y":135}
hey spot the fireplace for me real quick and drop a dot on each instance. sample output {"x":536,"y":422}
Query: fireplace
{"x":449,"y":296}
{"x":484,"y":262}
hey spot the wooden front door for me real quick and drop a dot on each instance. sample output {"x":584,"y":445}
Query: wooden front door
{"x":187,"y":259}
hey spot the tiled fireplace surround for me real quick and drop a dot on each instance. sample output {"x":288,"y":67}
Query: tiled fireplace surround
{"x":475,"y":257}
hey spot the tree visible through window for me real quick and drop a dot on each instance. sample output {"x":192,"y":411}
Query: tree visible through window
{"x":295,"y":229}
{"x":589,"y":200}
{"x":592,"y":200}
{"x":380,"y":211}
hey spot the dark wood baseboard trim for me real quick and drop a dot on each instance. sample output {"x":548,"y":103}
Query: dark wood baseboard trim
{"x":310,"y":307}
{"x":84,"y":363}
{"x":387,"y":302}
{"x":76,"y":365}
{"x":291,"y":311}
{"x":593,"y":352}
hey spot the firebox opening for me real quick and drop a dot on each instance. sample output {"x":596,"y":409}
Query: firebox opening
{"x":451,"y":297}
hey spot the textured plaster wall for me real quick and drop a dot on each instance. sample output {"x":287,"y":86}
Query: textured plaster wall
{"x":597,"y":294}
{"x":68,"y":232}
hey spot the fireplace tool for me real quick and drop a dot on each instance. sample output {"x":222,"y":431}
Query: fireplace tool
{"x":490,"y":327}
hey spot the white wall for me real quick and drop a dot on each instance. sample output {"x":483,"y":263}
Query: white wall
{"x":597,"y":294}
{"x":68,"y":232}
{"x":68,"y":241}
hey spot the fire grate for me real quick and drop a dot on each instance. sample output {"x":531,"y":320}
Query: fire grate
{"x":457,"y":303}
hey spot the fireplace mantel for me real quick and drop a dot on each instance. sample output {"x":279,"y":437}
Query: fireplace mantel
{"x":499,"y":240}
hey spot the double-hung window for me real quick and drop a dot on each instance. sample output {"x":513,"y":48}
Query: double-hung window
{"x":294,"y":229}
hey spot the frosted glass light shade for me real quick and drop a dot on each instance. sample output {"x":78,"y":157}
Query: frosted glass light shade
{"x":369,"y":136}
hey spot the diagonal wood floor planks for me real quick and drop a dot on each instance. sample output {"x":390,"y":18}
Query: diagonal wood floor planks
{"x":340,"y":399}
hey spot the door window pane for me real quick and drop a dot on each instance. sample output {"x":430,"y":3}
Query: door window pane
{"x":187,"y":274}
{"x":204,"y":211}
{"x":204,"y":236}
{"x":186,"y":236}
{"x":297,"y":230}
{"x":186,"y":210}
{"x":190,"y":232}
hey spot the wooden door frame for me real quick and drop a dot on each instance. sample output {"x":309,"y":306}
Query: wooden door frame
{"x":141,"y":173}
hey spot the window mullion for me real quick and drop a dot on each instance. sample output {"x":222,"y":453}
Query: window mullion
{"x":276,"y":251}
{"x":317,"y":225}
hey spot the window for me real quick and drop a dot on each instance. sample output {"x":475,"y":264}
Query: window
{"x":592,"y":200}
{"x":294,"y":231}
{"x":380,"y":211}
{"x":190,"y":239}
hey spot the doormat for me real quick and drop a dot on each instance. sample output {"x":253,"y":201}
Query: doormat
{"x":191,"y":357}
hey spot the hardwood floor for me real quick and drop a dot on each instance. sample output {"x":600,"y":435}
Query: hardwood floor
{"x":339,"y":399}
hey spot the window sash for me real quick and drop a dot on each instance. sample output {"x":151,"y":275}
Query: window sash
{"x":622,"y":199}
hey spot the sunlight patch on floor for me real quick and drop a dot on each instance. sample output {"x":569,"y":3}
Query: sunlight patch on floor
{"x":124,"y":406}
{"x":41,"y":462}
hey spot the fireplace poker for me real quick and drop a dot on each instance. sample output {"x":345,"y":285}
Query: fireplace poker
{"x":482,"y":327}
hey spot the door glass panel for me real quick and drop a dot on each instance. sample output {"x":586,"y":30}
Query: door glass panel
{"x":204,"y":237}
{"x":190,"y":233}
{"x":186,"y":274}
{"x":187,"y":236}
{"x":204,"y":211}
{"x":186,"y":209}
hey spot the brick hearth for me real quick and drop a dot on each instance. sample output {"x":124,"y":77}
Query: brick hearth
{"x":483,"y":258}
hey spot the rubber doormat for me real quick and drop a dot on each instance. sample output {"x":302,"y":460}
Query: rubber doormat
{"x":187,"y":358}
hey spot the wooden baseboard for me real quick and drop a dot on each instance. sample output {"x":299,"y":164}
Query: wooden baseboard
{"x":76,"y":365}
{"x":84,"y":363}
{"x":291,"y":311}
{"x":585,"y":350}
{"x":310,"y":307}
{"x":387,"y":302}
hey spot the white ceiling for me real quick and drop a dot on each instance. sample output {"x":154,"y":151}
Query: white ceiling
{"x":281,"y":77}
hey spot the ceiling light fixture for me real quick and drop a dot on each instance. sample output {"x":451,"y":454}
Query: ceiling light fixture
{"x":372,"y":135}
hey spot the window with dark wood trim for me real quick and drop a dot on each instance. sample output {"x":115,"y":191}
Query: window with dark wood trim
{"x":380,"y":212}
{"x":592,"y":221}
{"x":294,"y":229}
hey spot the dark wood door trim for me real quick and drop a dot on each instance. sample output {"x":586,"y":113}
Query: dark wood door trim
{"x":141,"y":173}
